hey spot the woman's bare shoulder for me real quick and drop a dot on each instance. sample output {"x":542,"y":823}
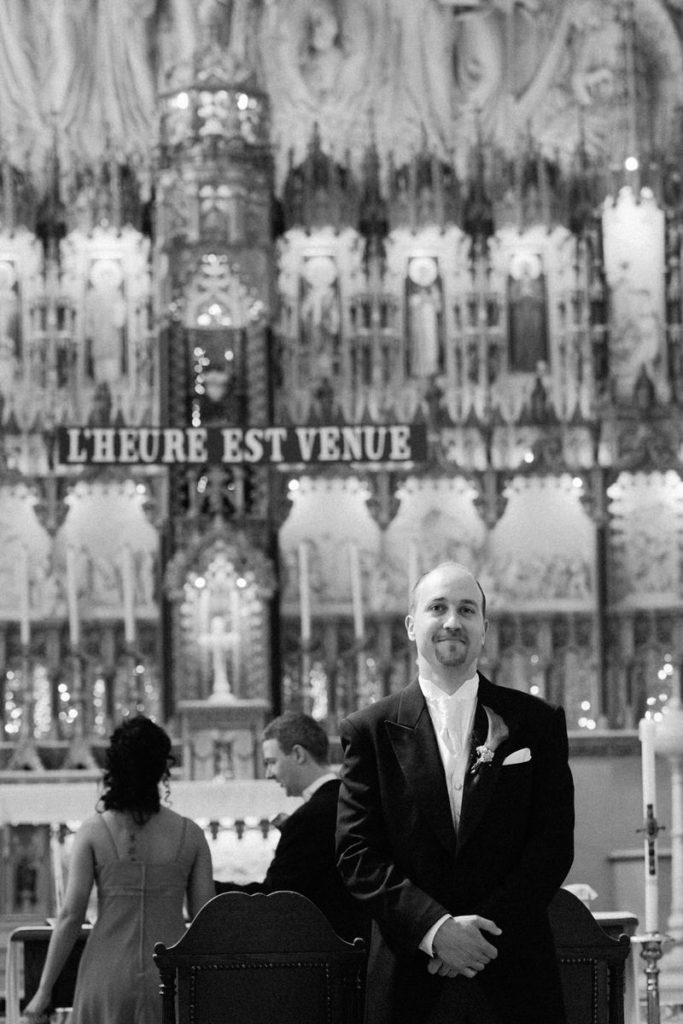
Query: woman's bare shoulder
{"x":178,"y":821}
{"x":90,"y":827}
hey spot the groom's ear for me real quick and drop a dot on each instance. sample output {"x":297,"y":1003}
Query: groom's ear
{"x":410,"y":627}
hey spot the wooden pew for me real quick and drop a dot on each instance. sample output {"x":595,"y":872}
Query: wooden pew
{"x":592,"y":963}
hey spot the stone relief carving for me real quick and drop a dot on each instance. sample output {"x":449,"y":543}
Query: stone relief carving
{"x":93,"y":69}
{"x":20,"y":112}
{"x":646,"y":522}
{"x":402,"y":74}
{"x":320,"y":64}
{"x":541,"y":549}
{"x":99,"y":581}
{"x":636,"y":279}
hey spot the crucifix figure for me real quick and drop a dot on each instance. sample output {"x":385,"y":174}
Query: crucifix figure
{"x":219,"y":641}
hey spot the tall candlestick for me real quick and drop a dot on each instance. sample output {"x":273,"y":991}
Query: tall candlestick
{"x":128,"y":587}
{"x":24,"y":599}
{"x":72,"y":597}
{"x":356,"y":591}
{"x":304,"y":593}
{"x":646,"y":732}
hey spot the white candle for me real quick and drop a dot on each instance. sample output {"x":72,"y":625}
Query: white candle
{"x":128,"y":587}
{"x":72,"y":597}
{"x":356,"y":591}
{"x":203,"y":611}
{"x":235,"y":630}
{"x":646,"y":732}
{"x":304,"y":593}
{"x":24,"y":599}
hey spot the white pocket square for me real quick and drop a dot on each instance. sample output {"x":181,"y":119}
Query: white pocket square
{"x":518,"y":756}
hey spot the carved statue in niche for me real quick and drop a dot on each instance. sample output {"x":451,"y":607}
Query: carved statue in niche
{"x":589,"y":72}
{"x":649,"y":537}
{"x":105,"y":321}
{"x":213,"y":17}
{"x":636,"y":339}
{"x":320,"y":313}
{"x":527,"y":313}
{"x":486,"y":86}
{"x":219,"y":642}
{"x":321,"y":52}
{"x":319,"y":67}
{"x":425,"y":318}
{"x":10,"y":341}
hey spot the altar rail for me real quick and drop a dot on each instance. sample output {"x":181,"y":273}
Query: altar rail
{"x":30,"y":803}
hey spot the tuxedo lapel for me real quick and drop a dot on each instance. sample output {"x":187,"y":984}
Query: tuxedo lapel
{"x":414,"y":742}
{"x":479,"y":785}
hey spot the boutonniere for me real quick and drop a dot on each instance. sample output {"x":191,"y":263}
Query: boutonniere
{"x":498,"y":732}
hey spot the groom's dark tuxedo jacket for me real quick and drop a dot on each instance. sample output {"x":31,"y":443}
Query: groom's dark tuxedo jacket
{"x":398,"y":851}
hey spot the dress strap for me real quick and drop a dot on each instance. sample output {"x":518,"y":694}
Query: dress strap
{"x":110,"y":834}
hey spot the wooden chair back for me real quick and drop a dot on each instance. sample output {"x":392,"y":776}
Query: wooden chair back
{"x":266,"y":959}
{"x":592,"y":963}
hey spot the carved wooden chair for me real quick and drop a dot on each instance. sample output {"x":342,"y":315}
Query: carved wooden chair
{"x":264,"y":959}
{"x":592,"y":963}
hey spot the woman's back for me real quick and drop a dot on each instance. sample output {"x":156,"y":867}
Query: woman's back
{"x":145,"y":860}
{"x":142,"y":873}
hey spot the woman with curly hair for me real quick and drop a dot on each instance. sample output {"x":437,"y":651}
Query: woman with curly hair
{"x":145,"y":860}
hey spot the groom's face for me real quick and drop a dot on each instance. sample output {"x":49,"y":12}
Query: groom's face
{"x":447,"y":622}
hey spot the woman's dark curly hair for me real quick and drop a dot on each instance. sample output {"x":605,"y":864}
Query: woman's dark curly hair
{"x":137,"y":760}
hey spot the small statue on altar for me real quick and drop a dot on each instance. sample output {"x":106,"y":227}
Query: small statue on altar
{"x":105,"y":318}
{"x":219,"y":641}
{"x":527,"y":314}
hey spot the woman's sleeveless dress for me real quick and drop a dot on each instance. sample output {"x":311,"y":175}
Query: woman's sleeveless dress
{"x":139,"y":904}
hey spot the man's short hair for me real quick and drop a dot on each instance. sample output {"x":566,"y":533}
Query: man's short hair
{"x":294,"y":727}
{"x":418,"y":581}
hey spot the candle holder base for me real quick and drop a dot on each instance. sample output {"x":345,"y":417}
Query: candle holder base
{"x":651,"y":952}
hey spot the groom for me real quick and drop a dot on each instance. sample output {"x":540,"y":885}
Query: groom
{"x":455,"y":828}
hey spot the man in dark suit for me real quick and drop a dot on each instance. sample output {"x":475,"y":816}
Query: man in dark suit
{"x":455,"y":828}
{"x":295,"y":753}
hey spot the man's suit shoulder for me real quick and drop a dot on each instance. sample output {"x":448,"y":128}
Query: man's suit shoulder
{"x":382,"y":709}
{"x":524,"y":704}
{"x":321,"y":801}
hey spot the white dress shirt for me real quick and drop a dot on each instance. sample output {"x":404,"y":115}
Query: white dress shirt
{"x":452,"y":716}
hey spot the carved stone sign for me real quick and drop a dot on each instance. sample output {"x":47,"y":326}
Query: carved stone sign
{"x":395,"y":442}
